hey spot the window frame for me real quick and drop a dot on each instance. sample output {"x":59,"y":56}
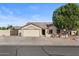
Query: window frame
{"x":50,"y":31}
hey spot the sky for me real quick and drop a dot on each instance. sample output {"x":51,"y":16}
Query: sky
{"x":18,"y":14}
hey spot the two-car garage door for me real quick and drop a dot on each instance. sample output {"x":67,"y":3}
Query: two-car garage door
{"x":31,"y":33}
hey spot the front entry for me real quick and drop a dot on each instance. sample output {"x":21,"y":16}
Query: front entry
{"x":43,"y":31}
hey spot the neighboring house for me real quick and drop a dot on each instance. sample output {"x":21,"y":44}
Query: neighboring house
{"x":11,"y":31}
{"x":5,"y":32}
{"x":14,"y":30}
{"x":37,"y":29}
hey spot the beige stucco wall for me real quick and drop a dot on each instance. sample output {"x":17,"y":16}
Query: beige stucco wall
{"x":47,"y":34}
{"x":4,"y":32}
{"x":30,"y":31}
{"x":54,"y":30}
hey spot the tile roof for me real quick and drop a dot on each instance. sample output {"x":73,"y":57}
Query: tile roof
{"x":43,"y":25}
{"x":17,"y":27}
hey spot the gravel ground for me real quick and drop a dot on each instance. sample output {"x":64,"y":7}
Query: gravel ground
{"x":39,"y":41}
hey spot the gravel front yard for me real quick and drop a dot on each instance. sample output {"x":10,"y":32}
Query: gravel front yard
{"x":39,"y":41}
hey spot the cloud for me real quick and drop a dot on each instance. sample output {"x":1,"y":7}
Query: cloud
{"x":35,"y":16}
{"x":40,"y":18}
{"x":11,"y":20}
{"x":7,"y":17}
{"x":34,"y":7}
{"x":6,"y":20}
{"x":6,"y":10}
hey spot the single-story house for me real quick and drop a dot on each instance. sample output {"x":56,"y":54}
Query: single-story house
{"x":37,"y":29}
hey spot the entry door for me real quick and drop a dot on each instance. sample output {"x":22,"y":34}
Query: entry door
{"x":43,"y":32}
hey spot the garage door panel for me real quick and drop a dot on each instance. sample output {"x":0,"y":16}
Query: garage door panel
{"x":31,"y":33}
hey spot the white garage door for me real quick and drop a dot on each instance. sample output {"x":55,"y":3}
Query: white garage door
{"x":31,"y":33}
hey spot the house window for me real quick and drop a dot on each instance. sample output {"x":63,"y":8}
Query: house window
{"x":43,"y":32}
{"x":58,"y":31}
{"x":50,"y":31}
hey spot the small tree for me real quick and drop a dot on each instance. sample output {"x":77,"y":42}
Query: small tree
{"x":9,"y":26}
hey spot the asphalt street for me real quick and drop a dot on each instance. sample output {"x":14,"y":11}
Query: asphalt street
{"x":39,"y":51}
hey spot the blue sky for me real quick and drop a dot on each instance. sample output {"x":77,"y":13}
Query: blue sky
{"x":20,"y":13}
